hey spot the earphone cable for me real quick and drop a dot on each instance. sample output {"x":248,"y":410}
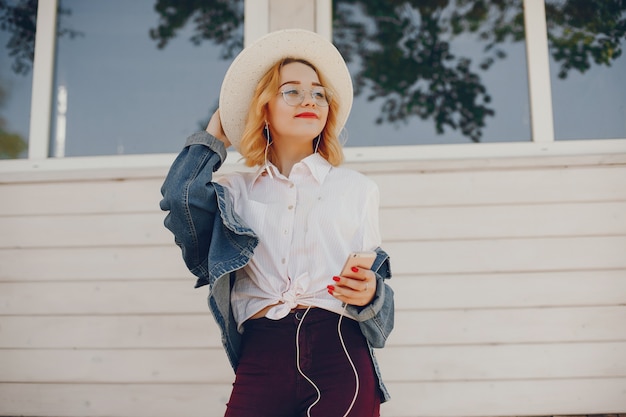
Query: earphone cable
{"x":356,"y":374}
{"x":345,"y":350}
{"x":319,"y":394}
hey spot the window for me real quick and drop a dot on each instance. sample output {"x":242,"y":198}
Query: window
{"x":431,"y":73}
{"x":456,"y":72}
{"x":138,"y":77}
{"x":587,"y":68}
{"x":17,"y":43}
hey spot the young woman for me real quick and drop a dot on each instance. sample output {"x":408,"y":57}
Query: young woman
{"x":271,"y":243}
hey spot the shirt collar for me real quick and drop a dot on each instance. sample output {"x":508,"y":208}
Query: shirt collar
{"x":317,"y":165}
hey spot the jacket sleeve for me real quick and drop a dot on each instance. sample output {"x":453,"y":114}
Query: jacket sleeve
{"x":189,"y":198}
{"x":376,"y":319}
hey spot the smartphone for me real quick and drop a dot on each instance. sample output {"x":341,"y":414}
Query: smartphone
{"x":358,"y":259}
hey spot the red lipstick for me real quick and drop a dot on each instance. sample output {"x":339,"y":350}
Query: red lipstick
{"x":307,"y":115}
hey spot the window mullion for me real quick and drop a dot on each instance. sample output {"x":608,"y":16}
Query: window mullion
{"x":537,"y":56}
{"x":256,"y":21}
{"x":43,"y":79}
{"x":324,"y":18}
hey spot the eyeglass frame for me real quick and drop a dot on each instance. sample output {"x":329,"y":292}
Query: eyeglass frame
{"x":328,"y":95}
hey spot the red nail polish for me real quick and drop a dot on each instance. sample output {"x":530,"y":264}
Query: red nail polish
{"x":336,"y":279}
{"x":331,"y":287}
{"x":355,"y":269}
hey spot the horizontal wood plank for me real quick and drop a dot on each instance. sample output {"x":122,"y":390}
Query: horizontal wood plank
{"x":397,"y":224}
{"x":412,"y":328}
{"x":507,"y":255}
{"x":79,"y":263}
{"x":542,"y":325}
{"x":188,"y":366}
{"x":503,"y":362}
{"x":504,"y":221}
{"x":398,"y":189}
{"x":110,"y":332}
{"x":399,"y":364}
{"x":177,"y":296}
{"x":501,"y":398}
{"x":94,"y":230}
{"x":102,"y":297}
{"x":114,"y":400}
{"x":446,"y":399}
{"x":418,"y":257}
{"x":510,"y":290}
{"x":414,"y":189}
{"x":80,"y":197}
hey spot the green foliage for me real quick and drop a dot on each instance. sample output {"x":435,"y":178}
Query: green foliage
{"x":11,"y":144}
{"x":582,"y":31}
{"x":405,"y":59}
{"x":402,"y":51}
{"x":217,"y":20}
{"x":20,"y":20}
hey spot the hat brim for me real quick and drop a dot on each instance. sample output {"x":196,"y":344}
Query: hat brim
{"x":253,"y":62}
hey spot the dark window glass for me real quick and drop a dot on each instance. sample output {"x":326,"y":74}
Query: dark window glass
{"x":17,"y":45}
{"x":435,"y":72}
{"x":588,"y":68}
{"x":139,"y":76}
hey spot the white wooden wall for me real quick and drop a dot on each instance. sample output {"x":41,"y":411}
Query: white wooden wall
{"x":510,"y":280}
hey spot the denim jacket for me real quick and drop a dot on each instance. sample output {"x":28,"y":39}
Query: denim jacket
{"x":216,"y":242}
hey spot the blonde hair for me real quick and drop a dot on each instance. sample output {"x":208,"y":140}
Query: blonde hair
{"x":253,"y":142}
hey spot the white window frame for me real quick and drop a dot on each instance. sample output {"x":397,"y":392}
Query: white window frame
{"x":542,"y":129}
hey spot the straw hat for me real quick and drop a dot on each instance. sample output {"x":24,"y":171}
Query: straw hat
{"x":254,"y":61}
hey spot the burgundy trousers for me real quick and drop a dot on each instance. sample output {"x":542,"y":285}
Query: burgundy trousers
{"x":268,"y":383}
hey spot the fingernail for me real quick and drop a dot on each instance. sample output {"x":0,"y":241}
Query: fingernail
{"x":331,"y":287}
{"x":355,"y":269}
{"x":336,"y":279}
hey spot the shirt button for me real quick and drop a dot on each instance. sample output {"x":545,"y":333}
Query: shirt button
{"x":283,"y":261}
{"x":290,"y":207}
{"x":291,"y":185}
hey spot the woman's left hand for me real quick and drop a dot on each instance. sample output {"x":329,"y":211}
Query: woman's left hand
{"x":358,"y":287}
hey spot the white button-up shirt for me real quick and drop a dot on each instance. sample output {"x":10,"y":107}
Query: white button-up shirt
{"x":307,"y":225}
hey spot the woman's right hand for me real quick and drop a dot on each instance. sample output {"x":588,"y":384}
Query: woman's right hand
{"x":215,"y":128}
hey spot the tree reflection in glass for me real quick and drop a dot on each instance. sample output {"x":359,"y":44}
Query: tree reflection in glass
{"x":405,"y":58}
{"x":457,"y":66}
{"x":587,"y":68}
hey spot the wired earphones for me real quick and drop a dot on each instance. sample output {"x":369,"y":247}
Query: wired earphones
{"x":345,"y":350}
